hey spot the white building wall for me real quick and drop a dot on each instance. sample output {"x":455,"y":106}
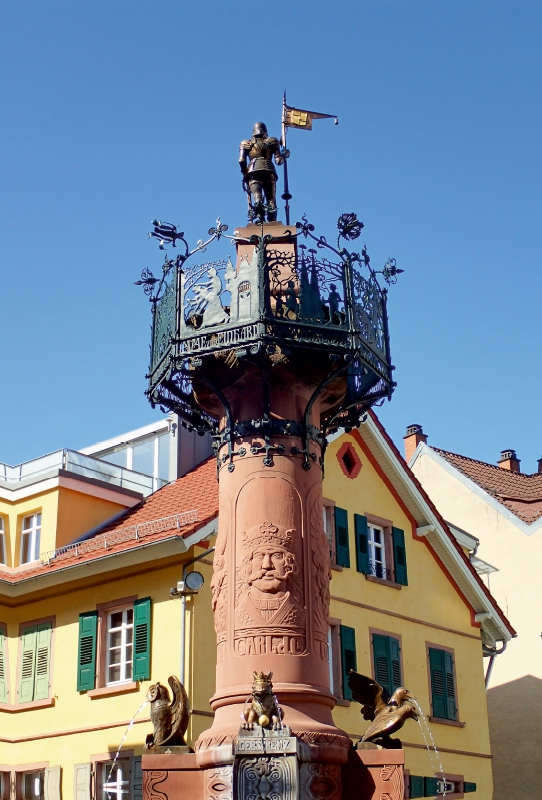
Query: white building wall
{"x":517,"y":586}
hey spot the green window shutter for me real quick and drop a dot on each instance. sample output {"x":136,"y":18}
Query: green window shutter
{"x":27,"y":667}
{"x":399,"y":556}
{"x":362,"y":546}
{"x":86,"y":658}
{"x":395,"y":663}
{"x":387,"y":662}
{"x":430,"y":787}
{"x":416,"y":786}
{"x":43,"y":660}
{"x":3,"y":675}
{"x":348,"y":657}
{"x":443,"y":689}
{"x":438,"y":683}
{"x":342,"y":545}
{"x":450,"y":686}
{"x":381,"y":652}
{"x":142,"y":640}
{"x":469,"y":787}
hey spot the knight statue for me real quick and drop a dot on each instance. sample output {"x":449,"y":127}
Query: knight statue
{"x":260,"y":176}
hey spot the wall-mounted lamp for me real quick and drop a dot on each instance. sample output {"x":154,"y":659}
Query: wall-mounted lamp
{"x":191,"y":584}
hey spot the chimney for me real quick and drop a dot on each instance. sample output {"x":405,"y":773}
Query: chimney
{"x":540,"y":465}
{"x":414,"y":435}
{"x":510,"y":461}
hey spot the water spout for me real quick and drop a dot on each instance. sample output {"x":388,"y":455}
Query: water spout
{"x":425,"y":727}
{"x":126,"y":732}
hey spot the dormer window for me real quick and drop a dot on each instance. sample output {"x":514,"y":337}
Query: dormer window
{"x":30,"y":538}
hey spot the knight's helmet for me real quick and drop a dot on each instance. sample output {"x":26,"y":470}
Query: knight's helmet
{"x":260,"y":129}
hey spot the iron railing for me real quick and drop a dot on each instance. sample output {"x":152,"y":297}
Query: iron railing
{"x":378,"y":571}
{"x":104,"y":541}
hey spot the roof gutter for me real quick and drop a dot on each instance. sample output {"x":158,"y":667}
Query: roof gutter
{"x":209,"y":529}
{"x":492,"y":658}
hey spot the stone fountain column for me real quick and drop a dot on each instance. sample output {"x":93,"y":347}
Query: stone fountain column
{"x":271,"y":598}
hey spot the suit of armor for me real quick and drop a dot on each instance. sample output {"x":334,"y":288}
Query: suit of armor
{"x":260,"y":176}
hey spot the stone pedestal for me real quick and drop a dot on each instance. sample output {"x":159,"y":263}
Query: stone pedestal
{"x":367,"y":775}
{"x":265,"y":764}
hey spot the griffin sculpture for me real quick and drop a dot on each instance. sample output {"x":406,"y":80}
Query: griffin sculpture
{"x":264,"y":708}
{"x":387,"y":714}
{"x":169,"y":717}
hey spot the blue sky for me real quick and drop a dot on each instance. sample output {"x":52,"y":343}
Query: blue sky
{"x":116,"y":112}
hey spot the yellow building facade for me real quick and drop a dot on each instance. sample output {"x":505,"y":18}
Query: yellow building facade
{"x":88,"y":627}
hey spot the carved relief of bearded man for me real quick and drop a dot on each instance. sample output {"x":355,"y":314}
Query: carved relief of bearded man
{"x":267,"y":596}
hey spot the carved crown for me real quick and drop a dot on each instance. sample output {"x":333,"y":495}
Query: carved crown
{"x":267,"y":533}
{"x":262,"y":677}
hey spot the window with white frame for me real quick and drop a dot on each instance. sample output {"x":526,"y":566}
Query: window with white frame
{"x":30,"y":538}
{"x":120,"y":637}
{"x":114,"y":780}
{"x":2,"y":541}
{"x":377,"y":550}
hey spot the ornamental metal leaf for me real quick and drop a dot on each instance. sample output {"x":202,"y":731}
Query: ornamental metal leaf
{"x":349,"y":226}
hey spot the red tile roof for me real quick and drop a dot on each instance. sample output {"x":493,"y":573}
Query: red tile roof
{"x":519,"y":492}
{"x":158,"y":517}
{"x":198,"y":489}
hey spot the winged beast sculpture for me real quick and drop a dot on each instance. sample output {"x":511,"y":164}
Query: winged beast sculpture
{"x":387,"y":714}
{"x":169,"y":717}
{"x":264,"y":709}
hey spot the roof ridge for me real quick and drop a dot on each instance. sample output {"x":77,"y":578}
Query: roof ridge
{"x":516,"y":491}
{"x":486,"y":463}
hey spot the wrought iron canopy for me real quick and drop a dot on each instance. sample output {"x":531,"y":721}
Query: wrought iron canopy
{"x":291,"y":297}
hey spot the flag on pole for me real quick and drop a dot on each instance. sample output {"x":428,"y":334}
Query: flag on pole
{"x":298,"y":118}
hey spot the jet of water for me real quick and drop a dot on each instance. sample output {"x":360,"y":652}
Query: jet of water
{"x":126,"y":732}
{"x":423,"y":728}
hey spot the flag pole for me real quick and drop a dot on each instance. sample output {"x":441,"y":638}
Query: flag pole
{"x":286,"y":196}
